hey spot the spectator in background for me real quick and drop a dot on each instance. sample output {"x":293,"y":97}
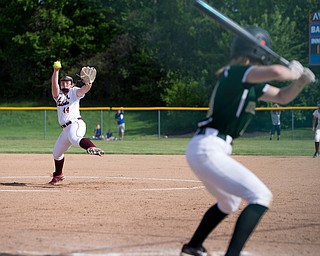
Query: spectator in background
{"x":119,"y":116}
{"x":97,"y":133}
{"x":275,"y":118}
{"x":109,"y":135}
{"x":316,"y":129}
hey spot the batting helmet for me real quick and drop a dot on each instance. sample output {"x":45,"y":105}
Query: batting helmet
{"x":66,"y":78}
{"x":241,"y":48}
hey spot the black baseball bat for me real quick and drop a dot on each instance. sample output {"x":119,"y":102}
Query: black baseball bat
{"x":235,"y":28}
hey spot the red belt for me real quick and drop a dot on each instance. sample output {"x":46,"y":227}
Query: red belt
{"x":68,"y":123}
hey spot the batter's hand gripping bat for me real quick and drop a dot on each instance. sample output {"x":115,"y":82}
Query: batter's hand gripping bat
{"x":235,"y":28}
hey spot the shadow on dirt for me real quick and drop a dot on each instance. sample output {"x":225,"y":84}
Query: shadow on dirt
{"x":13,"y":184}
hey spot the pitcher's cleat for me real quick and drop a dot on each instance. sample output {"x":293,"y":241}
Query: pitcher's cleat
{"x":56,"y":179}
{"x":193,"y":251}
{"x":95,"y":151}
{"x":316,"y":155}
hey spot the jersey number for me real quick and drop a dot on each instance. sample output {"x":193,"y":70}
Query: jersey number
{"x":66,"y":110}
{"x":251,"y":107}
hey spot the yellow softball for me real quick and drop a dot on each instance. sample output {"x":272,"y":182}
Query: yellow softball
{"x":57,"y":64}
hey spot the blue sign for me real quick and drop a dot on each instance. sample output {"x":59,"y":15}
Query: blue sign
{"x":314,"y":38}
{"x":315,"y":30}
{"x":315,"y":17}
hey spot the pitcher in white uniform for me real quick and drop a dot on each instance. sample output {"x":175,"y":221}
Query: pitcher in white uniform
{"x":67,"y":97}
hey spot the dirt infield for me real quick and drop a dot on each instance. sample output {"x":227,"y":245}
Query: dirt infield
{"x":146,"y":205}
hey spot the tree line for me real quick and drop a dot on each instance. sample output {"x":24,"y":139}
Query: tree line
{"x":146,"y":52}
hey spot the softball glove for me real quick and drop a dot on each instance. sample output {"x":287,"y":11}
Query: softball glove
{"x":88,"y":74}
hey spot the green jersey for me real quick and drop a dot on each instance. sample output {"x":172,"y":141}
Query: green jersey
{"x":233,"y":102}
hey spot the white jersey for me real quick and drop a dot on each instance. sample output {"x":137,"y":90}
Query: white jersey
{"x":316,"y":114}
{"x":275,"y":117}
{"x":68,"y":106}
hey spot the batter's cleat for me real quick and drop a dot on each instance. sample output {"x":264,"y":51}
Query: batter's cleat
{"x":316,"y":155}
{"x":193,"y":251}
{"x":95,"y":151}
{"x":56,"y":179}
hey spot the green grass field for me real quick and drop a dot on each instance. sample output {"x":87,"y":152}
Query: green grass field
{"x":26,"y":132}
{"x":153,"y":145}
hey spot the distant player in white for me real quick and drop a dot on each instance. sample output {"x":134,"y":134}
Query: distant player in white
{"x":316,"y":129}
{"x":67,"y":97}
{"x":275,"y":119}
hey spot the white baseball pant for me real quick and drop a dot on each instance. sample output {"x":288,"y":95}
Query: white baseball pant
{"x":225,"y":178}
{"x":70,"y":136}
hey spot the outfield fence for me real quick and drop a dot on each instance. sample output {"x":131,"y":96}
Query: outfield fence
{"x":19,"y":122}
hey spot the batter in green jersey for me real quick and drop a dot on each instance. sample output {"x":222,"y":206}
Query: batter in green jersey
{"x":231,"y":115}
{"x":243,"y":82}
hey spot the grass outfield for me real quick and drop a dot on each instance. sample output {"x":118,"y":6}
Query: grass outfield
{"x":151,"y":145}
{"x":23,"y":132}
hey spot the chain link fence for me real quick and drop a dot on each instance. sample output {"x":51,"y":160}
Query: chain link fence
{"x":42,"y":122}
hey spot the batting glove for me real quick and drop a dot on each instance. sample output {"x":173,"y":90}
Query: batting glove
{"x":296,"y":68}
{"x":307,"y":76}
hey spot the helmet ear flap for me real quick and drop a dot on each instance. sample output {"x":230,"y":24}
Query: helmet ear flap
{"x":242,"y":48}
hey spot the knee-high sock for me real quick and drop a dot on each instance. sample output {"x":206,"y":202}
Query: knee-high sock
{"x":316,"y":145}
{"x":86,"y":143}
{"x":58,"y":165}
{"x":209,"y":221}
{"x":247,"y":221}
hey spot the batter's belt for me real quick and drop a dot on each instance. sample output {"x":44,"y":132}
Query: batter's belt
{"x":214,"y":132}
